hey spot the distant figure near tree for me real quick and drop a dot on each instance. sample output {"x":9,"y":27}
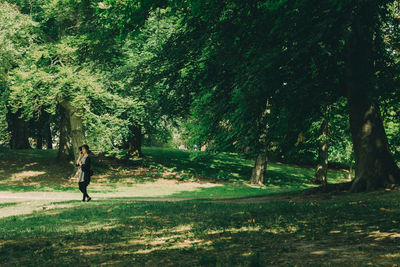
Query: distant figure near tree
{"x":182,"y":147}
{"x":84,"y":171}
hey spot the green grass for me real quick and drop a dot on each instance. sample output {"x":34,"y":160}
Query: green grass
{"x":8,"y":204}
{"x":232,"y":167}
{"x":226,"y":191}
{"x":39,"y":171}
{"x":357,"y":231}
{"x":328,"y":230}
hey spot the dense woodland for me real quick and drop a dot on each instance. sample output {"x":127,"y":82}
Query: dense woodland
{"x":306,"y":82}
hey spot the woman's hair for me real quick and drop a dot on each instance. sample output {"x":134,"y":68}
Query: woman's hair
{"x":86,"y":147}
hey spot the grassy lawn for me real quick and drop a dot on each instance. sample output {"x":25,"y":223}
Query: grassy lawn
{"x":360,"y":230}
{"x":232,"y":167}
{"x":286,"y":229}
{"x":223,"y":175}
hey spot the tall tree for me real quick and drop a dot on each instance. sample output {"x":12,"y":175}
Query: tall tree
{"x":375,"y":166}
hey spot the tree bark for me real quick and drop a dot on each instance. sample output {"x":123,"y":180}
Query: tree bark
{"x":64,"y":143}
{"x":135,"y":141}
{"x":258,"y":175}
{"x":39,"y":138}
{"x":49,"y":139}
{"x":321,"y":171}
{"x":259,"y":169}
{"x":375,"y":167}
{"x":76,"y":128}
{"x":374,"y":164}
{"x":18,"y":128}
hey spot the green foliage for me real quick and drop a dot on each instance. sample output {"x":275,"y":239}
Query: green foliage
{"x":17,"y":35}
{"x":240,"y":77}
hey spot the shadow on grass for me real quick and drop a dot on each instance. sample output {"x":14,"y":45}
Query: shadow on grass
{"x":219,"y":166}
{"x":226,"y":166}
{"x":39,"y":170}
{"x":198,"y":234}
{"x":29,"y":168}
{"x":227,"y":191}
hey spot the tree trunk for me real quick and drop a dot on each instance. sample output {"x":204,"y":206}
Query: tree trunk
{"x":258,"y":175}
{"x":76,"y":128}
{"x":64,"y":143}
{"x":19,"y":131}
{"x":374,"y":164}
{"x":350,"y":170}
{"x":135,"y":141}
{"x":375,"y":167}
{"x":259,"y":170}
{"x":49,"y":139}
{"x":39,"y":138}
{"x":321,"y":171}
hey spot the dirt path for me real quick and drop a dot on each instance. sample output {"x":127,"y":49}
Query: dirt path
{"x":22,"y":203}
{"x":7,"y":196}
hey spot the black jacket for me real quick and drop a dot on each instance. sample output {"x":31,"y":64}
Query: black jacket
{"x":85,"y":167}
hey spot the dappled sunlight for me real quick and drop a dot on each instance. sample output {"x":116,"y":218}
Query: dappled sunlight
{"x":90,"y":250}
{"x":394,"y":255}
{"x":21,"y":209}
{"x":91,"y":226}
{"x":378,"y":235}
{"x":146,"y":233}
{"x":338,"y":252}
{"x":178,"y":229}
{"x":31,"y":164}
{"x":120,"y":227}
{"x":291,"y":229}
{"x":25,"y":174}
{"x":165,"y":245}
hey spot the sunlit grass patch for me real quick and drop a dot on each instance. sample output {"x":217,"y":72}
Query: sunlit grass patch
{"x":8,"y":204}
{"x":200,"y":233}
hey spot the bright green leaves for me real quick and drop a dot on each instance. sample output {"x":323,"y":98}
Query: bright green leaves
{"x":17,"y":34}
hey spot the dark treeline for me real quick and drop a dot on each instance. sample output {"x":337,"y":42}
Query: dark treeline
{"x":313,"y":82}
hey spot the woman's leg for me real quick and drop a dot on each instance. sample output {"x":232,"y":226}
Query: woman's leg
{"x":82,"y":188}
{"x":88,"y":198}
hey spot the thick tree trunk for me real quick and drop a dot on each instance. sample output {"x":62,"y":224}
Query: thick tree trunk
{"x":374,"y":164}
{"x":19,"y":131}
{"x":76,"y":128}
{"x":260,"y":169}
{"x":375,"y":167}
{"x":64,"y":143}
{"x":321,"y":171}
{"x":135,"y":141}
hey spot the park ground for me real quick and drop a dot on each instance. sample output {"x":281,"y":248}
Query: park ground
{"x":176,"y":208}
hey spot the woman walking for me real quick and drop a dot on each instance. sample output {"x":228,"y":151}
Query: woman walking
{"x":84,"y":172}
